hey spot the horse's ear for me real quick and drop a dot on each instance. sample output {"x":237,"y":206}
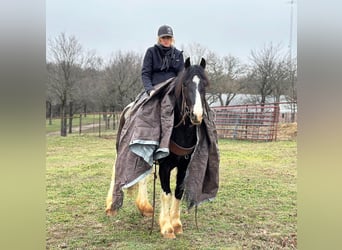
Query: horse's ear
{"x":187,"y":63}
{"x":203,"y":63}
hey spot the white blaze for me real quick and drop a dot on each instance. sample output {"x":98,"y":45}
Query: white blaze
{"x":198,"y":111}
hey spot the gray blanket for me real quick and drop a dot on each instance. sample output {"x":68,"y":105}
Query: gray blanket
{"x":145,"y":137}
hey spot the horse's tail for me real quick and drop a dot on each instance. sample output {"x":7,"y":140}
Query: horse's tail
{"x":109,"y":200}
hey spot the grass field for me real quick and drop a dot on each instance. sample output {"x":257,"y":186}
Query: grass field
{"x":255,"y":207}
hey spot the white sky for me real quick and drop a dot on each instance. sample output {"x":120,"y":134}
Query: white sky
{"x":224,"y":26}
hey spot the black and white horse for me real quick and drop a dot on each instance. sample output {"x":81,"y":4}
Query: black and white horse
{"x":190,"y":89}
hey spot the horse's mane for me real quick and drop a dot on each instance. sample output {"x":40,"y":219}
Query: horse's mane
{"x":186,"y":74}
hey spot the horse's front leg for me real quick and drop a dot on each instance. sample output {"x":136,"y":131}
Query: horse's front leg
{"x":142,"y":202}
{"x":176,"y":202}
{"x":175,"y":216}
{"x":166,"y":228}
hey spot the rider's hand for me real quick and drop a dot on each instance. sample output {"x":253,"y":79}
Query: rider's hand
{"x":152,"y":92}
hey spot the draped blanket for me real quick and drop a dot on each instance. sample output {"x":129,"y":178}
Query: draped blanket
{"x":145,"y":137}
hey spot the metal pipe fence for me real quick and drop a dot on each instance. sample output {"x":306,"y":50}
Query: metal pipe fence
{"x":248,"y":122}
{"x":253,"y":122}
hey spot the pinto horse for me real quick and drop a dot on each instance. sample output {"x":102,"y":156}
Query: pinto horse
{"x":188,"y":114}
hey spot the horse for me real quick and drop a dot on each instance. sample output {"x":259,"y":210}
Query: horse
{"x":190,"y":105}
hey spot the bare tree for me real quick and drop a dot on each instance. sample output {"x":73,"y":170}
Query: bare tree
{"x":123,"y":79}
{"x":195,"y":51}
{"x":268,"y":73}
{"x":50,"y":96}
{"x":90,"y":82}
{"x":224,"y":74}
{"x":291,"y":94}
{"x":65,"y":54}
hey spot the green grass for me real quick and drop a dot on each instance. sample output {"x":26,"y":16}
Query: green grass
{"x":255,"y":207}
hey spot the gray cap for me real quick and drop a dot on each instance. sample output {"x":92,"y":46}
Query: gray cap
{"x":165,"y":30}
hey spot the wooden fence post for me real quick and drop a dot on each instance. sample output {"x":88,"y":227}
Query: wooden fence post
{"x":99,"y":124}
{"x":80,"y":131}
{"x":114,"y":117}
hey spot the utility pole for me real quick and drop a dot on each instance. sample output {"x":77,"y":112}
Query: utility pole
{"x":293,"y":105}
{"x":291,"y":29}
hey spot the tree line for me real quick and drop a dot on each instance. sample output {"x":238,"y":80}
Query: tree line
{"x":81,"y":81}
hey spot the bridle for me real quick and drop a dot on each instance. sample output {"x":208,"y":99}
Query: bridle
{"x":185,"y":110}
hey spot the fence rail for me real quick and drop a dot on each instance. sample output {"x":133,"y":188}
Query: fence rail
{"x":248,"y":122}
{"x":96,"y":122}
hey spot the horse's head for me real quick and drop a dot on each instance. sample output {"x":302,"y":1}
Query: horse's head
{"x":193,"y":84}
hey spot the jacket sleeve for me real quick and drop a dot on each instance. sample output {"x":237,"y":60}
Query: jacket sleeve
{"x":146,"y":72}
{"x":181,"y":65}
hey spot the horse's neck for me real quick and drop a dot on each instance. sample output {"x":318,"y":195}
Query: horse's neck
{"x":185,"y":133}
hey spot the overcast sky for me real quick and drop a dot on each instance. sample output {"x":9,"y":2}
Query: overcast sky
{"x":226,"y":27}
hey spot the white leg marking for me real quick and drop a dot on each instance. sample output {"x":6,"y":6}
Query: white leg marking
{"x":142,"y":202}
{"x":175,"y":216}
{"x":164,"y":219}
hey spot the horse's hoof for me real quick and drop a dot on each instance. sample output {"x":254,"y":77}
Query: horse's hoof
{"x":168,"y":232}
{"x":110,"y":212}
{"x":178,"y":229}
{"x":169,"y":235}
{"x":147,"y":213}
{"x":145,"y":209}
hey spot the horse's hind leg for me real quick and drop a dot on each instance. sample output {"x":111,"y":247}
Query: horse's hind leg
{"x":109,"y":198}
{"x":142,"y":202}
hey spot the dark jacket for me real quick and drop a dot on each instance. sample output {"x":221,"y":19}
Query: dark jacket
{"x":153,"y":71}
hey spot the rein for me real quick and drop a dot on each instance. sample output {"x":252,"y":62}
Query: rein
{"x":185,"y":111}
{"x":154,"y":195}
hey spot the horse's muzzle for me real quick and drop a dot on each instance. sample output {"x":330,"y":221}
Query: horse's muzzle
{"x":196,"y":119}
